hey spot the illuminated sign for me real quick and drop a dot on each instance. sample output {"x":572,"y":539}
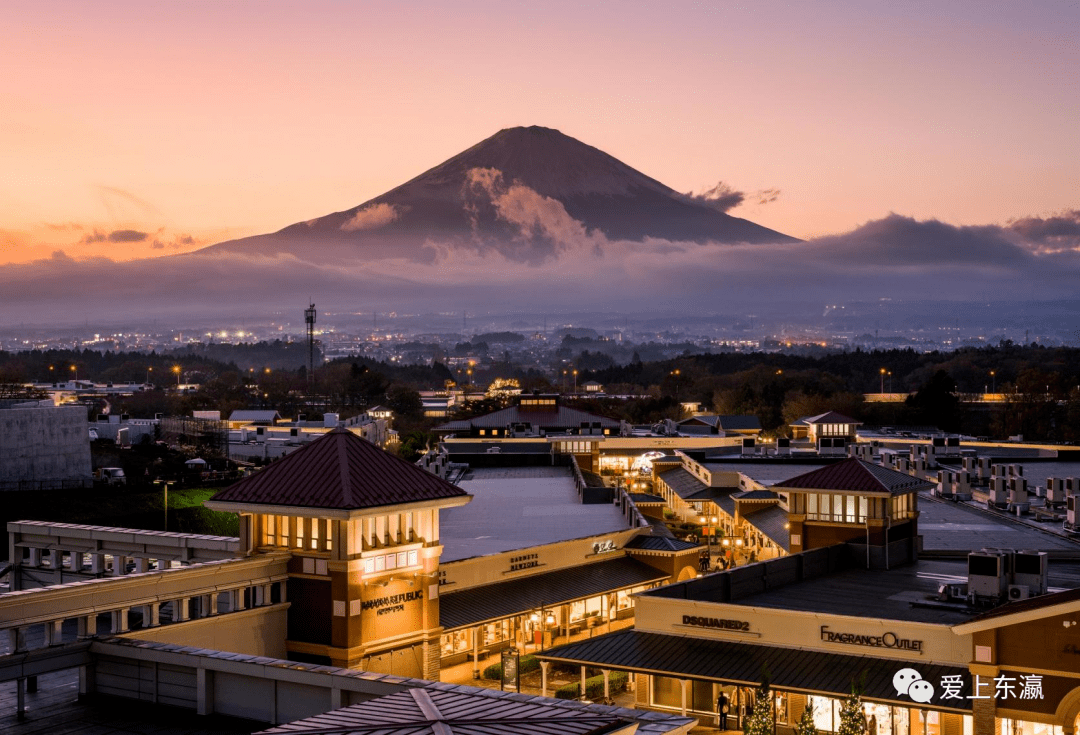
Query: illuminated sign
{"x":718,"y":623}
{"x":391,"y":603}
{"x":885,"y":640}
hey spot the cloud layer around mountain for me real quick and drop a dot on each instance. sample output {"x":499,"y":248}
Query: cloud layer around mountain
{"x":553,"y":259}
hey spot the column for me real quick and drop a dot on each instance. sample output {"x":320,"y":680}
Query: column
{"x":259,"y":600}
{"x":17,"y":637}
{"x":118,"y":565}
{"x":76,"y":562}
{"x":34,"y":559}
{"x":583,"y":682}
{"x":87,"y":626}
{"x":475,"y":633}
{"x":54,"y":632}
{"x":141,"y":564}
{"x":543,"y":677}
{"x":607,"y":683}
{"x":20,"y":698}
{"x":236,"y":599}
{"x":204,"y":692}
{"x":212,"y":604}
{"x":180,"y":610}
{"x":120,"y":621}
{"x":97,"y":563}
{"x":267,"y":594}
{"x":151,"y":615}
{"x":684,"y":685}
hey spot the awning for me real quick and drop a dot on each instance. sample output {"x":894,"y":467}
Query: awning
{"x":735,"y":662}
{"x":524,"y":594}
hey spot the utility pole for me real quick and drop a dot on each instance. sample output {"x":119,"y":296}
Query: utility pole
{"x":309,"y":319}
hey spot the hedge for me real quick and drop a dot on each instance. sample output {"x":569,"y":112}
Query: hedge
{"x":594,"y":686}
{"x":525,"y":665}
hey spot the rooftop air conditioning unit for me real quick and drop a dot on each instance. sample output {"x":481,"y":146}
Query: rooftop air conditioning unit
{"x":1031,"y":570}
{"x":999,"y":494}
{"x":1019,"y":592}
{"x":748,"y":447}
{"x":987,"y":574}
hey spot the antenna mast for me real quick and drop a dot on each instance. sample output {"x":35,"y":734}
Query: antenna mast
{"x":309,"y":320}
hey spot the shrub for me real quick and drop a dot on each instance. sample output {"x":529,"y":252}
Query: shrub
{"x":527,"y":664}
{"x":594,"y":686}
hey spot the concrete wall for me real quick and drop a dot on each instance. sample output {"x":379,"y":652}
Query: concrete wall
{"x":256,"y":632}
{"x":44,"y":448}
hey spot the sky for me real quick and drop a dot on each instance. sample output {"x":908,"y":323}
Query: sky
{"x":145,"y":129}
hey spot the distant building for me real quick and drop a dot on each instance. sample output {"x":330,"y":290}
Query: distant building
{"x":726,"y":425}
{"x":535,"y":415}
{"x":43,"y":447}
{"x":829,"y":425}
{"x":253,"y":418}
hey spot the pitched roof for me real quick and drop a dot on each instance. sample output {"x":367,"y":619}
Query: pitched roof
{"x":1032,"y":604}
{"x":829,"y":417}
{"x":773,"y":523}
{"x":856,"y":475}
{"x":436,"y":710}
{"x":742,"y":662}
{"x":339,"y":471}
{"x":515,"y":596}
{"x":738,"y":423}
{"x":659,"y":543}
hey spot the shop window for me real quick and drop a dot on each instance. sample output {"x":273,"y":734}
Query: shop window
{"x":1023,"y":727}
{"x":666,"y":692}
{"x":826,"y":712}
{"x":455,"y":642}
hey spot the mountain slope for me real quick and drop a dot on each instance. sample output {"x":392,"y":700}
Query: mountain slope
{"x":523,"y":192}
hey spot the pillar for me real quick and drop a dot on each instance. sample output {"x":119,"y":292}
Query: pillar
{"x":118,"y":565}
{"x":141,"y":564}
{"x":267,"y":593}
{"x":20,"y":698}
{"x":76,"y":561}
{"x":212,"y":604}
{"x":543,"y":677}
{"x":475,"y":633}
{"x":236,"y":600}
{"x":54,"y":632}
{"x":17,"y":637}
{"x":86,"y":680}
{"x":204,"y":692}
{"x":120,"y":621}
{"x":180,"y":610}
{"x":684,"y":685}
{"x":87,"y":626}
{"x":582,"y":682}
{"x":34,"y":558}
{"x":151,"y":615}
{"x":337,"y":698}
{"x":607,"y":683}
{"x":97,"y":563}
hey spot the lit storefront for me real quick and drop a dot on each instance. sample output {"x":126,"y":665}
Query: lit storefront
{"x":799,"y":622}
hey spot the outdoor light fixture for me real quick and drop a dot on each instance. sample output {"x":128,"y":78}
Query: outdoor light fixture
{"x":550,"y":619}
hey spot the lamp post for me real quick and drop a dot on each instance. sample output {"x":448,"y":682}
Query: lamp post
{"x":176,"y":369}
{"x":882,"y":390}
{"x":75,"y":369}
{"x":165,"y":498}
{"x":993,"y":381}
{"x":148,"y":371}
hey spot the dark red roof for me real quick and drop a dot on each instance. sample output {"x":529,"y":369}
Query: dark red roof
{"x":339,"y":471}
{"x":855,"y":475}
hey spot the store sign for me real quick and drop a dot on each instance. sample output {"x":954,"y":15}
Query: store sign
{"x":525,"y":561}
{"x":885,"y":640}
{"x":716,"y":623}
{"x":392,"y":603}
{"x":603,"y":547}
{"x":510,"y":676}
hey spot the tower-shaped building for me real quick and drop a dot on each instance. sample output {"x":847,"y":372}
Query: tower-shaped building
{"x":363,"y":530}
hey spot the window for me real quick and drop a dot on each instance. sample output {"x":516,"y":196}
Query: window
{"x":863,"y":504}
{"x":849,"y":515}
{"x":270,"y":525}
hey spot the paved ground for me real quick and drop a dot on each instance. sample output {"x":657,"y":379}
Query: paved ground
{"x":947,"y":526}
{"x":517,"y":507}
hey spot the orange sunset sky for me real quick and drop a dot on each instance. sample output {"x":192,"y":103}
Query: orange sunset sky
{"x":139,"y":129}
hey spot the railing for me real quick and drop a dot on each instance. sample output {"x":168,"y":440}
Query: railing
{"x":183,"y":594}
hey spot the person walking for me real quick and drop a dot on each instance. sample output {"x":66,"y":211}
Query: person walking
{"x":721,"y":711}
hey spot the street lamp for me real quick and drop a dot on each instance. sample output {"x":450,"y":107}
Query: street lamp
{"x":148,"y":371}
{"x":165,"y":498}
{"x":75,"y":369}
{"x":993,"y":381}
{"x":883,"y":371}
{"x":176,"y":369}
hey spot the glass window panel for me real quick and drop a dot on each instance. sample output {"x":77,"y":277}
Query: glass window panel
{"x":667,"y":692}
{"x":811,"y":501}
{"x":826,"y":501}
{"x":369,"y":566}
{"x":380,"y":563}
{"x":413,"y":558}
{"x":863,"y":505}
{"x":403,"y":558}
{"x":849,"y":516}
{"x":391,"y":561}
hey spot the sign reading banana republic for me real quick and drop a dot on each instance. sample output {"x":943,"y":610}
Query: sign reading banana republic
{"x":392,"y":603}
{"x":718,"y":623}
{"x":885,"y":640}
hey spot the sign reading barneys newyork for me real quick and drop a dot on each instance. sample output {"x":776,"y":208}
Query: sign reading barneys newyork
{"x":885,"y":640}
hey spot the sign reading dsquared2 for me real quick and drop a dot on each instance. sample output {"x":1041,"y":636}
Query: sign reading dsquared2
{"x":719,"y":623}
